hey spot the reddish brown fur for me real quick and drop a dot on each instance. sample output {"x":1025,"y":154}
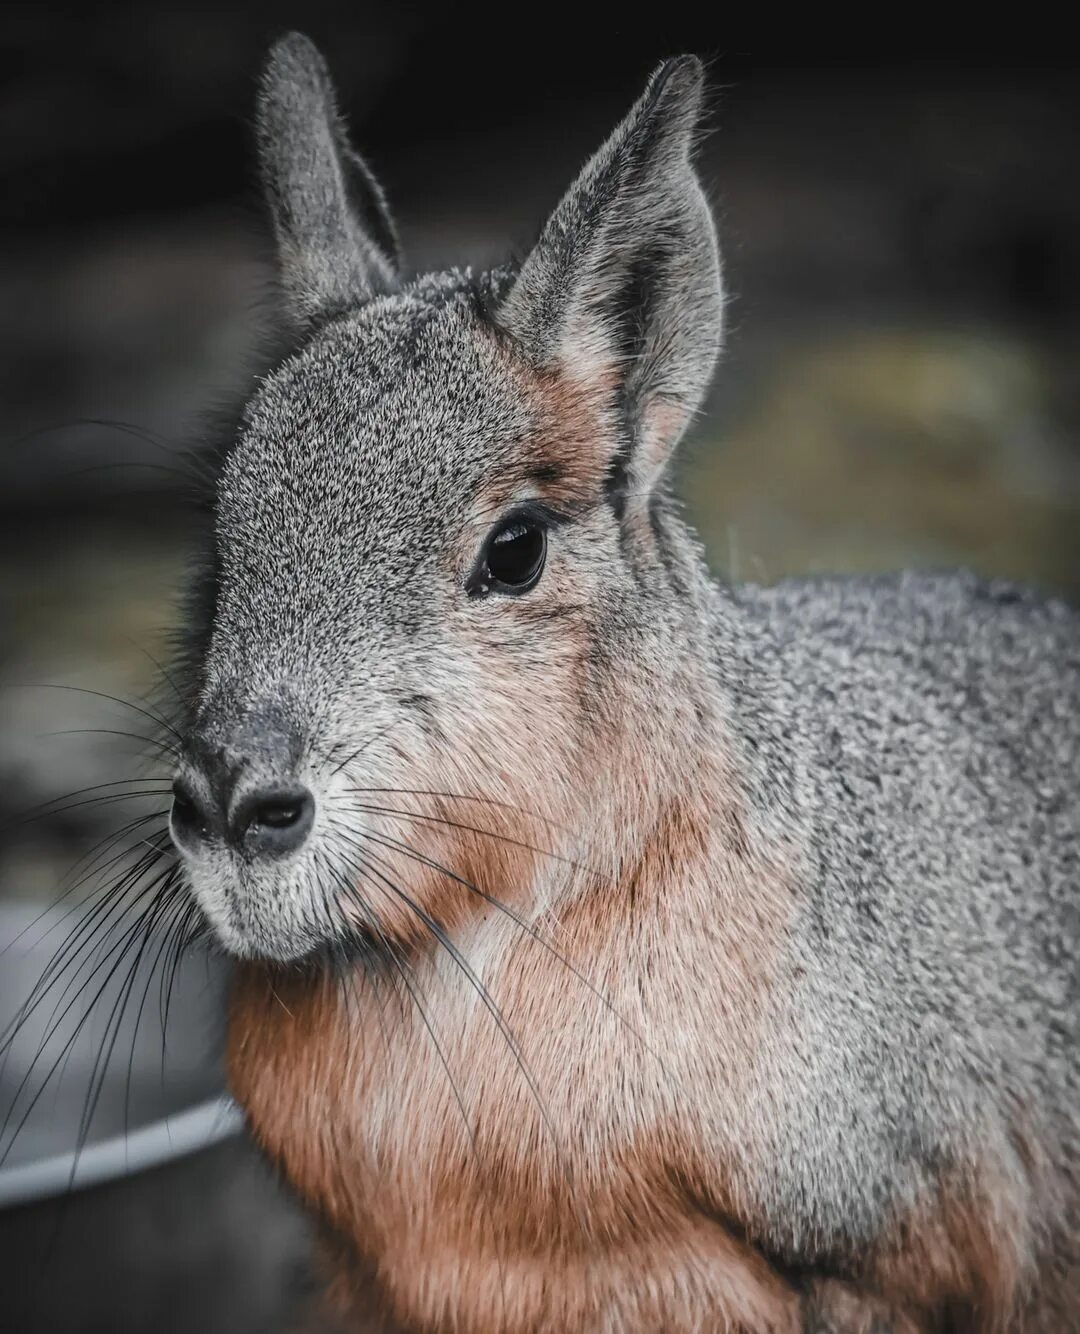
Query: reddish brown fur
{"x":835,"y":1307}
{"x":958,"y":1259}
{"x":567,"y":454}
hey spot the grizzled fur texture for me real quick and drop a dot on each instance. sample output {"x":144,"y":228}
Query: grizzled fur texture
{"x":662,"y":955}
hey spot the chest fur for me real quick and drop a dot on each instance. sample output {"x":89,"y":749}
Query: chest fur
{"x":513,"y":1142}
{"x":575,"y":1130}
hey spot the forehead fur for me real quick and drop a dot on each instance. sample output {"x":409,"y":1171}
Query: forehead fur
{"x":355,"y":468}
{"x":393,"y":413}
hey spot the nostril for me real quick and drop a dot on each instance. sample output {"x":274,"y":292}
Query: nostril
{"x":273,"y":819}
{"x":279,"y":813}
{"x":187,"y":819}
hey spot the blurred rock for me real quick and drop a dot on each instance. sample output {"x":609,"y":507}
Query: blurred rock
{"x":869,"y":449}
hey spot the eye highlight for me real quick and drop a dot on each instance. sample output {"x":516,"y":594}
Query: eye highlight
{"x":512,"y":557}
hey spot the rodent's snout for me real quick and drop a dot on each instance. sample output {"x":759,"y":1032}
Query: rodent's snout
{"x":222,"y":799}
{"x":245,"y":817}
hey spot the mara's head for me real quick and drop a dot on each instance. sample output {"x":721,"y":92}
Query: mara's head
{"x":443,"y":563}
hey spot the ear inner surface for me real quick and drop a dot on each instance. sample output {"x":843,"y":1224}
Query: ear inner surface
{"x":624,"y":283}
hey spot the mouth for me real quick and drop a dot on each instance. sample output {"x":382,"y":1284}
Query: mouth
{"x":306,"y":914}
{"x":255,"y":921}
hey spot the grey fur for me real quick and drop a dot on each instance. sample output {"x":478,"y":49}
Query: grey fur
{"x":913,"y":741}
{"x":921,"y":735}
{"x":337,"y":242}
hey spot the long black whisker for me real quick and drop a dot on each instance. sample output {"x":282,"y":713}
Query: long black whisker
{"x":43,"y":807}
{"x":366,"y":744}
{"x":468,"y":829}
{"x":458,"y":796}
{"x":108,"y":913}
{"x":339,"y":954}
{"x":66,"y":1051}
{"x":397,"y":845}
{"x":111,"y":904}
{"x":175,"y":904}
{"x":105,"y":799}
{"x":401,"y":967}
{"x":121,"y":948}
{"x":95,"y":867}
{"x":140,"y":433}
{"x":165,"y":673}
{"x":142,"y":864}
{"x":101,"y":694}
{"x":169,"y":747}
{"x":114,"y":1020}
{"x":185,"y":937}
{"x":372,"y":861}
{"x":96,"y":923}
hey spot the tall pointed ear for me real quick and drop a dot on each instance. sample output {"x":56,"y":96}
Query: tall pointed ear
{"x":623,"y":286}
{"x":337,"y":244}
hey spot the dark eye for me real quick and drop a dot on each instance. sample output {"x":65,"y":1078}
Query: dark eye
{"x":512,"y":559}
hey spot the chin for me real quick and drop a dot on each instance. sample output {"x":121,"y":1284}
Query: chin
{"x":247,"y":927}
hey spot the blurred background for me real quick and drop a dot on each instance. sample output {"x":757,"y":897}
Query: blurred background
{"x":902,"y":244}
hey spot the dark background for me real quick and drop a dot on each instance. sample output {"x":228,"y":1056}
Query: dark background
{"x":902,"y":241}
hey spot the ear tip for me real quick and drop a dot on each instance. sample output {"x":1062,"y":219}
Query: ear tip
{"x":687,"y":66}
{"x":293,"y":60}
{"x":294,"y":47}
{"x":681,"y":79}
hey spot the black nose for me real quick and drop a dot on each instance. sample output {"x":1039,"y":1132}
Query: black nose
{"x":272,"y":819}
{"x":266,"y":820}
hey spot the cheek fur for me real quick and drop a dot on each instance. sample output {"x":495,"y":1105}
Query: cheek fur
{"x":476,"y":812}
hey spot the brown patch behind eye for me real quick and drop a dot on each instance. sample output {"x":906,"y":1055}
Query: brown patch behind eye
{"x":567,"y":453}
